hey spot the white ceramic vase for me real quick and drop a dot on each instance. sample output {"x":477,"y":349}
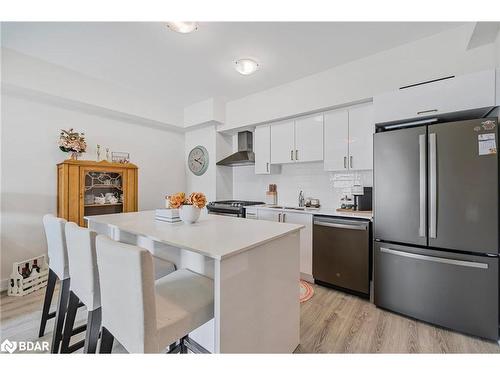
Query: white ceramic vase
{"x":189,"y":213}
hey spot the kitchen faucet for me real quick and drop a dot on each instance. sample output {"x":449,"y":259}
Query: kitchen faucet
{"x":301,"y":199}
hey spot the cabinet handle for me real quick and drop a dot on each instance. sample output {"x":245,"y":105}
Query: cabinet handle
{"x":296,"y":154}
{"x":283,"y":218}
{"x":350,"y":161}
{"x":267,"y":167}
{"x":345,"y":162}
{"x":279,"y":217}
{"x":291,"y":154}
{"x":427,"y":111}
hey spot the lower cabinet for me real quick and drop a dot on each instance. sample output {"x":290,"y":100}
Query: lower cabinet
{"x":305,"y":241}
{"x":305,"y":235}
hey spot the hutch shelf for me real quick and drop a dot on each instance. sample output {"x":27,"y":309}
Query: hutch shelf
{"x":86,"y":187}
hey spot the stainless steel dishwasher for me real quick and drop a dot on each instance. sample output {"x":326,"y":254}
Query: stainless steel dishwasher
{"x":341,"y":253}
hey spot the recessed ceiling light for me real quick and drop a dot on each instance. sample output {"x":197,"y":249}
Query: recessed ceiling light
{"x":246,"y":66}
{"x":183,"y":27}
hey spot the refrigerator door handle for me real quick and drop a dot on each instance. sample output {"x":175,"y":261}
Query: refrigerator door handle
{"x":432,"y":186}
{"x":455,"y":262}
{"x":422,"y":185}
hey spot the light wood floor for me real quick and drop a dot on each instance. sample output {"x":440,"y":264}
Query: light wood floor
{"x":331,"y":322}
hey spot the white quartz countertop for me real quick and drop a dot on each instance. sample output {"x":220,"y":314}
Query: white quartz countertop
{"x":316,"y":211}
{"x":213,"y":236}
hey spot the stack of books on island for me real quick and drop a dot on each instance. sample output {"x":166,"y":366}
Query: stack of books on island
{"x":169,"y":215}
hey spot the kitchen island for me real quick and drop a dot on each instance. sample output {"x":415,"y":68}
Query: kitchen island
{"x":254,"y":265}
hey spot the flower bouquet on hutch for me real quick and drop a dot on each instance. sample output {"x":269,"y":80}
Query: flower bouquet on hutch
{"x":189,"y":207}
{"x":74,"y":142}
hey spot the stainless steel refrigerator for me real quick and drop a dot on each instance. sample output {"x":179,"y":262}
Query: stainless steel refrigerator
{"x":436,"y":223}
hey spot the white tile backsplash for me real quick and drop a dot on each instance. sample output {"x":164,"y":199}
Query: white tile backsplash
{"x":308,"y":177}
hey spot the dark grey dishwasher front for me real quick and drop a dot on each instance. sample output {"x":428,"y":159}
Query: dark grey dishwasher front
{"x":341,"y":253}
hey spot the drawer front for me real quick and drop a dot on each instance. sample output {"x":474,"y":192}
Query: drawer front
{"x":451,"y":290}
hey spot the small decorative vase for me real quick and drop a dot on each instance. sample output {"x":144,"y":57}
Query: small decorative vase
{"x":189,"y":214}
{"x":74,"y":155}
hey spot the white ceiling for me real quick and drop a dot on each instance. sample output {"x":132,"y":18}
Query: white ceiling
{"x":182,"y":69}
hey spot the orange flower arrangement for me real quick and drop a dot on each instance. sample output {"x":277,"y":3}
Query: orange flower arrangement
{"x":176,"y":200}
{"x":196,"y":199}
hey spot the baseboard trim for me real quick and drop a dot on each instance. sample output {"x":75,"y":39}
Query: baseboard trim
{"x":307,"y":277}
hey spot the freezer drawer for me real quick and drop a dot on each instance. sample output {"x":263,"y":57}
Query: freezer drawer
{"x":447,"y":289}
{"x":341,"y":253}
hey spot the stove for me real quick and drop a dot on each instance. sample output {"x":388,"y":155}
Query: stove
{"x":230,"y":208}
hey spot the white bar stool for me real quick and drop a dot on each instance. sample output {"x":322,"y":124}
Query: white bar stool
{"x":58,"y":270}
{"x":147,"y":316}
{"x":84,"y":287}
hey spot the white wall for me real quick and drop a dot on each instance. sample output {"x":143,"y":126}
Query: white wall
{"x":308,"y":177}
{"x":435,"y":56}
{"x":206,"y":183}
{"x":30,"y":130}
{"x":20,"y":70}
{"x":497,"y":47}
{"x":217,"y":181}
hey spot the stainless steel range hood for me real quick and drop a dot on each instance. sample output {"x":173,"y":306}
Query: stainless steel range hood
{"x":245,"y":154}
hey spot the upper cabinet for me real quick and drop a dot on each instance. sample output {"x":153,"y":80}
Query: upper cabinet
{"x":361,"y":129}
{"x":262,"y":149}
{"x":309,"y":138}
{"x":336,"y":140}
{"x":348,"y":140}
{"x":448,"y":94}
{"x":283,"y":142}
{"x":299,"y":140}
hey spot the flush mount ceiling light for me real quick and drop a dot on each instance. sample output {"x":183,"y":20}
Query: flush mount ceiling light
{"x":183,"y":27}
{"x":246,"y":66}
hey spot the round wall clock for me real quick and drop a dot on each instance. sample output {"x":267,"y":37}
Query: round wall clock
{"x":198,"y":160}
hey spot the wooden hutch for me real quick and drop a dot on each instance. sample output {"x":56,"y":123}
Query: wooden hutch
{"x":86,"y":187}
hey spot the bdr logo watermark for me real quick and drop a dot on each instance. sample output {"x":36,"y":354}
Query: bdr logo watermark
{"x":24,"y":346}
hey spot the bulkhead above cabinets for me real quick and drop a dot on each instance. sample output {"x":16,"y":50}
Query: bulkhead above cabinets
{"x":436,"y":96}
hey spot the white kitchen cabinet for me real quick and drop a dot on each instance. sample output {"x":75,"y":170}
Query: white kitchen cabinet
{"x":283,"y":142}
{"x":336,"y":142}
{"x":262,"y":149}
{"x":305,"y":240}
{"x":361,"y":129}
{"x":305,"y":219}
{"x":309,"y":138}
{"x":269,"y":215}
{"x":450,"y":94}
{"x":299,"y":140}
{"x":348,"y":142}
{"x":251,"y":213}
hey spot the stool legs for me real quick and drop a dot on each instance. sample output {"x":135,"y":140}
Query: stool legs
{"x":60,"y":314}
{"x":70,"y":322}
{"x":106,"y":341}
{"x":92,"y":334}
{"x":49,"y":292}
{"x":183,"y":345}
